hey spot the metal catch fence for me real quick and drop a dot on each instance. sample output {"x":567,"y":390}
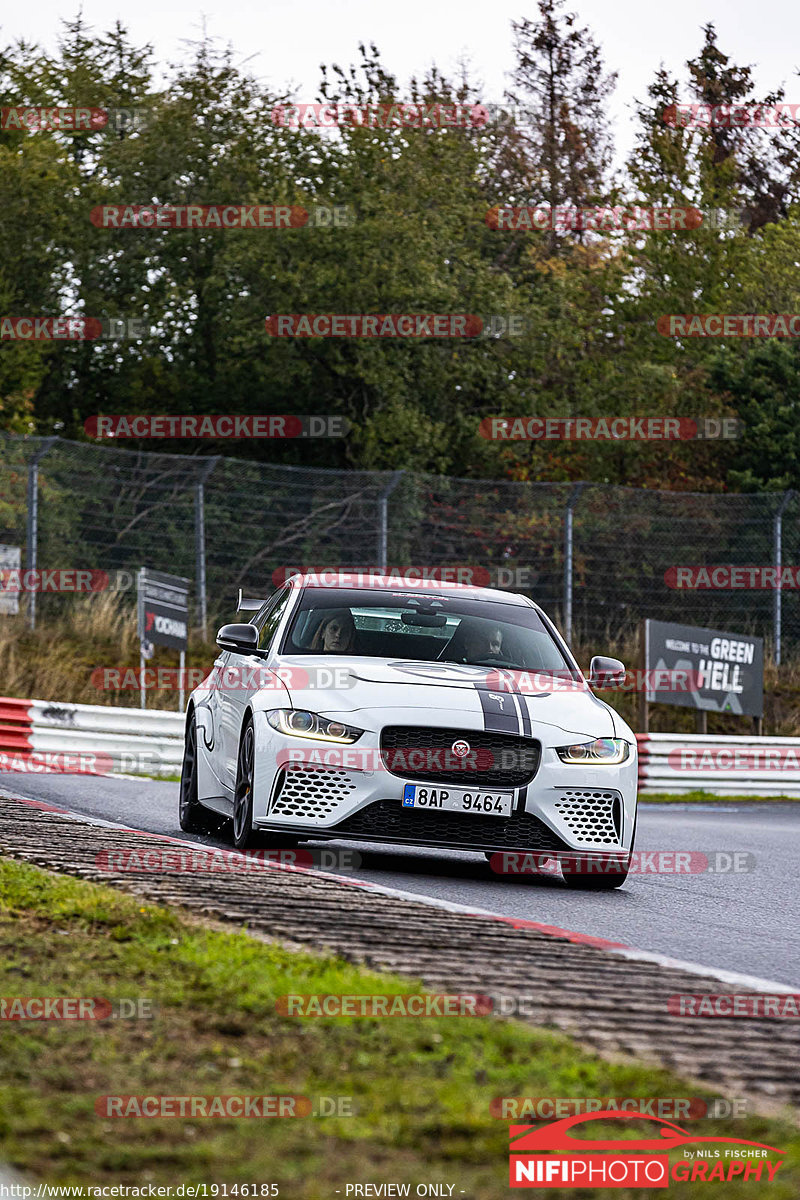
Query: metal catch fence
{"x":597,"y":557}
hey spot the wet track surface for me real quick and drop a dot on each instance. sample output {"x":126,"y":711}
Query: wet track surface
{"x":746,"y":920}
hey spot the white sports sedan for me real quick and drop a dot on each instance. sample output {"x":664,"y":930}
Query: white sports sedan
{"x":433,"y":715}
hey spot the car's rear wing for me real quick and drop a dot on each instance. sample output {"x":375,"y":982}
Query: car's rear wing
{"x":248,"y":603}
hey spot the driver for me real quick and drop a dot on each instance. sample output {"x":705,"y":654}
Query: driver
{"x":483,"y":643}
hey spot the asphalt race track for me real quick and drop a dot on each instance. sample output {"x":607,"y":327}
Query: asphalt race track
{"x":742,"y":921}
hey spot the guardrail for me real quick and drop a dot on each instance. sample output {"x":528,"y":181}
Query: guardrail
{"x":726,"y":766}
{"x":39,"y":736}
{"x":43,"y":735}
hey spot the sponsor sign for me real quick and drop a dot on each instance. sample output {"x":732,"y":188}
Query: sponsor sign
{"x":10,"y":560}
{"x":163,"y":609}
{"x":728,"y":668}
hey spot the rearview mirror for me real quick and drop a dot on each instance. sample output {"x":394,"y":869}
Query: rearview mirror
{"x":606,"y":672}
{"x":242,"y":639}
{"x":428,"y":620}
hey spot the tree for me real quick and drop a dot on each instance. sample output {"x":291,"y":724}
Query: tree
{"x":563,"y":149}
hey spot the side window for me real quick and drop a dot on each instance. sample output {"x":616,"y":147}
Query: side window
{"x":264,"y":612}
{"x":272,"y":619}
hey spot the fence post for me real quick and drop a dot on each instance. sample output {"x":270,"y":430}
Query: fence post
{"x":383,"y":519}
{"x":571,"y":502}
{"x":33,"y":520}
{"x":777,"y":557}
{"x":200,"y":541}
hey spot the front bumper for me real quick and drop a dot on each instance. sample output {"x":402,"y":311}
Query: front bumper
{"x":564,"y":810}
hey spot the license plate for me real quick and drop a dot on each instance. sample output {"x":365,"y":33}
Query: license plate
{"x":447,"y":799}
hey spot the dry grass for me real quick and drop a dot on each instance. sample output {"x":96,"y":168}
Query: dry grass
{"x":74,"y":637}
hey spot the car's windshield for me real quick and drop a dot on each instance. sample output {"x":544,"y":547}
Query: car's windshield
{"x":423,"y":627}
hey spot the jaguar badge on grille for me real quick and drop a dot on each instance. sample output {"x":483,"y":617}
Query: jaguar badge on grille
{"x":461,"y":748}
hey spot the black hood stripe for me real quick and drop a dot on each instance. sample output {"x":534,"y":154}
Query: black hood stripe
{"x":500,"y":714}
{"x":526,"y":731}
{"x":506,"y":711}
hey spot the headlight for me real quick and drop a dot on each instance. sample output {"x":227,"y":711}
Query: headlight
{"x":298,"y":723}
{"x":603,"y":750}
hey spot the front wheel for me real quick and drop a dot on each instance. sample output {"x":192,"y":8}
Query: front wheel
{"x":243,"y":835}
{"x":592,"y":881}
{"x":192,"y":816}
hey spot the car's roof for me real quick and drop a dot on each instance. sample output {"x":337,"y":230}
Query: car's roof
{"x":357,"y":581}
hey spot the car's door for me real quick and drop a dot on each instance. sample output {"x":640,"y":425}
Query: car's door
{"x":242,"y":676}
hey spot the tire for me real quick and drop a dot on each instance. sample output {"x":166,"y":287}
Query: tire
{"x":243,"y":835}
{"x":192,"y":816}
{"x":594,"y":882}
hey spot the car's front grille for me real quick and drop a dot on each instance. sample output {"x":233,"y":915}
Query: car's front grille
{"x":387,"y":820}
{"x":494,"y":760}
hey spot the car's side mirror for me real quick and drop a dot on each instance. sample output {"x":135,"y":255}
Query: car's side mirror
{"x":606,"y":672}
{"x":242,"y":639}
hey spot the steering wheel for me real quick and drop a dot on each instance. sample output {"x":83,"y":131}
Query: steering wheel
{"x":494,"y":660}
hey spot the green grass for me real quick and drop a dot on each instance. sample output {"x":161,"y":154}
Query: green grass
{"x":701,"y":797}
{"x":420,"y":1088}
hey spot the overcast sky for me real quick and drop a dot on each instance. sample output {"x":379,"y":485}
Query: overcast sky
{"x":285,"y":42}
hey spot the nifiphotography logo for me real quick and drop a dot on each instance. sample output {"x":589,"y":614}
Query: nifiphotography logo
{"x":636,"y":1162}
